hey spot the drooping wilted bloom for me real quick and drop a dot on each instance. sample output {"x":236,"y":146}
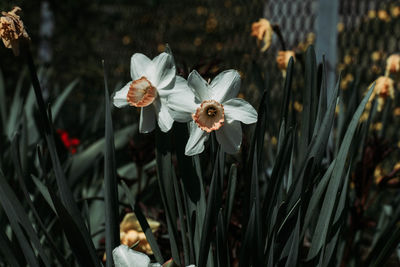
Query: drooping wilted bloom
{"x":393,"y":64}
{"x":263,"y":31}
{"x":384,"y":87}
{"x":12,"y":30}
{"x":283,"y":60}
{"x":212,"y":107}
{"x":152,"y":81}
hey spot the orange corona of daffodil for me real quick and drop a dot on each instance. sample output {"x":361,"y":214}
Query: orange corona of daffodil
{"x":263,"y":31}
{"x":12,"y":30}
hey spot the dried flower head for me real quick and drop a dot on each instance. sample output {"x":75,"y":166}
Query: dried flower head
{"x":384,"y":88}
{"x":12,"y":30}
{"x":393,"y":64}
{"x":283,"y":60}
{"x":263,"y":31}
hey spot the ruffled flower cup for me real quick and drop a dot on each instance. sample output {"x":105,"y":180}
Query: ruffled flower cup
{"x":212,"y":107}
{"x":152,"y":81}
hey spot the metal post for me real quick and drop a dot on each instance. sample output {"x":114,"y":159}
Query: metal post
{"x":326,"y":33}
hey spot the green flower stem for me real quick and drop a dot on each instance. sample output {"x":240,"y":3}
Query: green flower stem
{"x":278,"y":32}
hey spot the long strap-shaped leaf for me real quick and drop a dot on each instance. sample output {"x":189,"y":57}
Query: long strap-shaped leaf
{"x":17,"y":164}
{"x":65,"y":192}
{"x":324,"y":219}
{"x":213,"y":206}
{"x":164,"y":175}
{"x":9,"y":254}
{"x":110,"y":182}
{"x":19,"y":220}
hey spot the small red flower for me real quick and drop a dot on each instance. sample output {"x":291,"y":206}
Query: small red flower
{"x":69,"y":143}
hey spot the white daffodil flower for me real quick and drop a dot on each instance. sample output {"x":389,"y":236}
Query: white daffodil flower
{"x":123,"y":256}
{"x":212,"y":107}
{"x":152,"y":81}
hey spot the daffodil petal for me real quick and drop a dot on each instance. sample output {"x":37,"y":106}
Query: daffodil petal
{"x":237,"y":109}
{"x":164,"y":119}
{"x":147,"y":121}
{"x":225,"y":86}
{"x":120,"y":97}
{"x":180,"y":86}
{"x":164,"y":71}
{"x":182,"y":105}
{"x":198,"y":85}
{"x":140,"y":66}
{"x":123,"y":256}
{"x":230,"y":137}
{"x":195,"y":144}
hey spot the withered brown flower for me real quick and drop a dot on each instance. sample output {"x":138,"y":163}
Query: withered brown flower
{"x":263,"y":31}
{"x":384,"y":88}
{"x":393,"y":64}
{"x":12,"y":30}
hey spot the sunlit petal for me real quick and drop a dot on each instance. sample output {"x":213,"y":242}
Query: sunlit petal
{"x":225,"y":86}
{"x":140,"y":66}
{"x":164,"y":71}
{"x":237,"y":109}
{"x":199,"y":86}
{"x":180,"y":86}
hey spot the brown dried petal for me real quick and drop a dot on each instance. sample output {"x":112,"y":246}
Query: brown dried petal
{"x":12,"y":30}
